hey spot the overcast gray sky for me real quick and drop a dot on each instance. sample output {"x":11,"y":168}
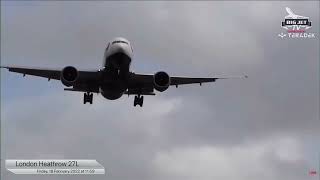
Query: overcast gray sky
{"x":264,"y":127}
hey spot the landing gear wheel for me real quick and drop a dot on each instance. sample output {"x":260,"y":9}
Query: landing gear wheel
{"x":141,"y":101}
{"x":87,"y":97}
{"x":138,"y":100}
{"x":91,"y":98}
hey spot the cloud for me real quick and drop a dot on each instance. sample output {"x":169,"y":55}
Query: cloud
{"x":247,"y":161}
{"x":136,"y":143}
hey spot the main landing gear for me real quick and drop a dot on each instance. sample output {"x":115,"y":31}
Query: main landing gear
{"x":138,"y":100}
{"x":87,"y":97}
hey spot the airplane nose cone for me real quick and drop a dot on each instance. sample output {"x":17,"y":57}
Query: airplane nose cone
{"x":122,"y":48}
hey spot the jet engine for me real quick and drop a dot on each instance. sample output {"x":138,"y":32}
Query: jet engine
{"x":161,"y":81}
{"x":69,"y":75}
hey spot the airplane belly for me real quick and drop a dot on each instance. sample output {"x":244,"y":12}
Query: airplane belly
{"x":113,"y":90}
{"x":111,"y":95}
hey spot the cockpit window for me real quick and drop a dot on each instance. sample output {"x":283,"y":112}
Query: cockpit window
{"x":114,"y":42}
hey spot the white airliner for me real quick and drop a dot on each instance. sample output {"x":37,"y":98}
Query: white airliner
{"x":291,"y":15}
{"x":115,"y":78}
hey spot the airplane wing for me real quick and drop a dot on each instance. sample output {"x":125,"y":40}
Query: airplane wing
{"x":87,"y":80}
{"x":187,"y":80}
{"x":144,"y":84}
{"x":46,"y":73}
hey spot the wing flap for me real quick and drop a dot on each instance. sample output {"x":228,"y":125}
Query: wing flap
{"x":186,"y":80}
{"x":95,"y":90}
{"x":140,"y":93}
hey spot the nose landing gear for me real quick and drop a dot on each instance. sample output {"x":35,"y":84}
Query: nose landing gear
{"x":138,"y":100}
{"x":87,"y":97}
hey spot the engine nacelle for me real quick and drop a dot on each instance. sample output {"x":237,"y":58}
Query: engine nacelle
{"x":161,"y":81}
{"x":69,"y":75}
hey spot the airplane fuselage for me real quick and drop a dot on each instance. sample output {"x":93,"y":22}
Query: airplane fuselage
{"x":116,"y":70}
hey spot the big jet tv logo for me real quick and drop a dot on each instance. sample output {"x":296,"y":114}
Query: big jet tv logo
{"x":296,"y":26}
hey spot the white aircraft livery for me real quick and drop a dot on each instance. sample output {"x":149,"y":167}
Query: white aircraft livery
{"x":115,"y":78}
